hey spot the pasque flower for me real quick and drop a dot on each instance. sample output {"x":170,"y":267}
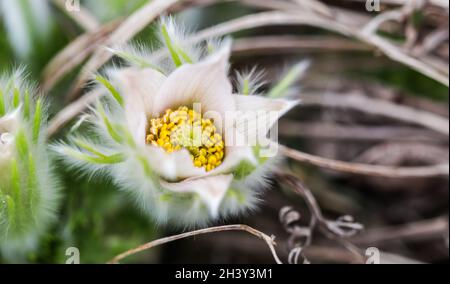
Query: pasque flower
{"x":28,"y":192}
{"x":170,"y":132}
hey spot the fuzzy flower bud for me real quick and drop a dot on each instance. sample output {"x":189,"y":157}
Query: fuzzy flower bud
{"x":28,"y":193}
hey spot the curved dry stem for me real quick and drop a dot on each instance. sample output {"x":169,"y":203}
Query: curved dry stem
{"x":339,"y":230}
{"x":441,"y":170}
{"x":368,"y":105}
{"x":71,"y":111}
{"x":238,"y":227}
{"x":74,"y":54}
{"x":127,"y":30}
{"x":365,"y":35}
{"x":295,"y":44}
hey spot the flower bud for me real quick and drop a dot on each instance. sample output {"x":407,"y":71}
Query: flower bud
{"x":28,"y":193}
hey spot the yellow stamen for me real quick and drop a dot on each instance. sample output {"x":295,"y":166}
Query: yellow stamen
{"x":185,"y":128}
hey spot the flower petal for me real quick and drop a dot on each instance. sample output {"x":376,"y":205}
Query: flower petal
{"x":205,"y":83}
{"x":10,"y":122}
{"x":138,"y":88}
{"x":210,"y":189}
{"x":258,"y":114}
{"x":172,"y":166}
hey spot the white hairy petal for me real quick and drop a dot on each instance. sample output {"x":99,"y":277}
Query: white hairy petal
{"x":258,"y":114}
{"x":10,"y":122}
{"x":211,"y":190}
{"x":205,"y":83}
{"x":172,"y":166}
{"x":138,"y":88}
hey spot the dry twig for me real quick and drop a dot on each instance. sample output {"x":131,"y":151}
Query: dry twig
{"x":71,"y":111}
{"x":269,"y":240}
{"x":436,"y":228}
{"x":335,"y":131}
{"x":127,"y":30}
{"x":74,"y":54}
{"x":340,"y":229}
{"x":82,"y":17}
{"x":368,"y":105}
{"x":441,"y":170}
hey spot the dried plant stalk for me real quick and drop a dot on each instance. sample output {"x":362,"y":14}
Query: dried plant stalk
{"x":269,"y":240}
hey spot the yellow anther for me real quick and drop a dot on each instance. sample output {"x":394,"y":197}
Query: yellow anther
{"x":212,"y":160}
{"x":164,"y":134}
{"x":185,"y":128}
{"x":202,"y":159}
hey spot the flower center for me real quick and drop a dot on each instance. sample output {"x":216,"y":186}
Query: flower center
{"x":185,"y":128}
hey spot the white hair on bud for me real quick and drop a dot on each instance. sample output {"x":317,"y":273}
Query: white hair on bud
{"x":29,"y":170}
{"x":249,"y":82}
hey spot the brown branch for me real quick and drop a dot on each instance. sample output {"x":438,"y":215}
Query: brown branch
{"x":365,"y":104}
{"x":269,"y":240}
{"x":82,"y":17}
{"x":74,"y":54}
{"x":439,"y":3}
{"x":367,"y":36}
{"x":333,"y":131}
{"x":71,"y":111}
{"x":127,"y":30}
{"x":339,"y":229}
{"x":331,"y":254}
{"x":432,"y":41}
{"x":441,"y":170}
{"x":436,"y":228}
{"x":277,"y":44}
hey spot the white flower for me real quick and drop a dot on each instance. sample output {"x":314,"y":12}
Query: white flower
{"x":146,"y":138}
{"x":28,"y":194}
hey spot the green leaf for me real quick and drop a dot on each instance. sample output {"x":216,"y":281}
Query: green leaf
{"x":246,"y":87}
{"x":137,"y":60}
{"x":22,"y":145}
{"x":236,"y":194}
{"x":109,"y":126}
{"x":243,"y":169}
{"x":11,"y":211}
{"x":184,"y":55}
{"x":15,"y":181}
{"x":16,"y":98}
{"x":2,"y":103}
{"x":147,"y":170}
{"x":33,"y":195}
{"x":26,"y":104}
{"x":37,"y":121}
{"x":279,"y":90}
{"x":111,"y":159}
{"x":16,"y":193}
{"x":172,"y":49}
{"x":111,"y":89}
{"x":89,"y":148}
{"x":256,"y":152}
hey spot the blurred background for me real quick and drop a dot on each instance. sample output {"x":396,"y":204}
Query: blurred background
{"x":376,"y":93}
